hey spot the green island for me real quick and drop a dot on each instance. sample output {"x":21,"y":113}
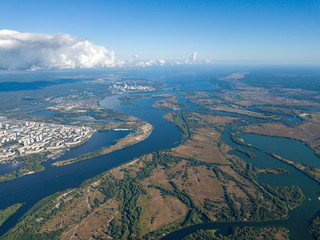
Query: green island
{"x":312,"y":172}
{"x":8,"y":212}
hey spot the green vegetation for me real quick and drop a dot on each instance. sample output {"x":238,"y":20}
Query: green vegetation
{"x":315,"y":227}
{"x":127,"y":100}
{"x":292,"y":195}
{"x":247,"y":153}
{"x":273,"y":171}
{"x":8,"y":212}
{"x":180,"y":122}
{"x":127,"y":192}
{"x":82,"y":157}
{"x":235,"y":138}
{"x":251,"y":233}
{"x":312,"y":172}
{"x":31,"y":164}
{"x":98,"y":114}
{"x":27,"y":233}
{"x":200,"y":234}
{"x":244,"y":233}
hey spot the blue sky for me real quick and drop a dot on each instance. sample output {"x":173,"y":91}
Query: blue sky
{"x":240,"y":31}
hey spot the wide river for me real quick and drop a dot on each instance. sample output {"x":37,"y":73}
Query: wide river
{"x":32,"y":188}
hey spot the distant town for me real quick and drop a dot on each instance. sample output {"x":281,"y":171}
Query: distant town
{"x":89,"y":98}
{"x":18,"y":138}
{"x":129,"y":86}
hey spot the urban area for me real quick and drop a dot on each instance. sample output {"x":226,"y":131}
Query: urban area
{"x":18,"y":138}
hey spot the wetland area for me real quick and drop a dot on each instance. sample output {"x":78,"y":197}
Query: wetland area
{"x":206,"y":165}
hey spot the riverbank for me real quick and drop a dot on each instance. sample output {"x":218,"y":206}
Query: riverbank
{"x":143,"y":132}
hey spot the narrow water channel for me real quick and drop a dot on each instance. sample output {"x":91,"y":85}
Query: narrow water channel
{"x":299,"y":218}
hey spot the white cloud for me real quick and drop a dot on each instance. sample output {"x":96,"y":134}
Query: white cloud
{"x":162,"y":62}
{"x":137,"y":62}
{"x":34,"y":51}
{"x":192,"y":59}
{"x":58,"y":51}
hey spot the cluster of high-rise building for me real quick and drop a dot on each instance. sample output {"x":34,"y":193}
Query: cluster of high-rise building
{"x":19,"y":138}
{"x":123,"y":87}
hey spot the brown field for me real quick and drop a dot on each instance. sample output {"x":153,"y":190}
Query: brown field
{"x":159,"y":210}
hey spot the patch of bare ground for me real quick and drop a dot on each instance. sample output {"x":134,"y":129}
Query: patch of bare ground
{"x":159,"y":210}
{"x":205,"y":151}
{"x":279,"y":234}
{"x":200,"y":184}
{"x":72,"y":214}
{"x":95,"y":224}
{"x":206,"y":144}
{"x":159,"y":176}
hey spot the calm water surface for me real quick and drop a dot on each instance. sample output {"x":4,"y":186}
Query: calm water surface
{"x":32,"y":188}
{"x":299,"y":218}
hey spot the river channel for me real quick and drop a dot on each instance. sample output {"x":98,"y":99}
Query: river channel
{"x":299,"y":218}
{"x":32,"y":188}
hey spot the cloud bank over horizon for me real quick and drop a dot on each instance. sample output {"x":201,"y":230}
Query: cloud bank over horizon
{"x":44,"y":51}
{"x":40,"y":51}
